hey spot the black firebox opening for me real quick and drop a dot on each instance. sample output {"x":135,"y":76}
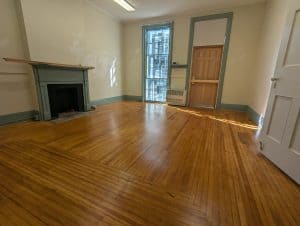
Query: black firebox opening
{"x":65,"y":98}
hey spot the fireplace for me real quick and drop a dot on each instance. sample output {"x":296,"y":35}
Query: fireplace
{"x":61,"y":89}
{"x":65,"y":98}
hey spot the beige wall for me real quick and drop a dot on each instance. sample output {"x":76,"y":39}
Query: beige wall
{"x":272,"y":30}
{"x":241,"y":57}
{"x":17,"y":92}
{"x":245,"y":34}
{"x":76,"y":32}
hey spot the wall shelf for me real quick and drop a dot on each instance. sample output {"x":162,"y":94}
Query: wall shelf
{"x":204,"y":81}
{"x":179,"y":66}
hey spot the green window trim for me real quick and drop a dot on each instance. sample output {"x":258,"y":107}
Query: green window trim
{"x":145,"y":28}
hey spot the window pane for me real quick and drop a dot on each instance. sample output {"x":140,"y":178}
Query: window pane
{"x":156,"y":89}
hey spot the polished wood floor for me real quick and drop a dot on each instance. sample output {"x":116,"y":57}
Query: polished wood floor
{"x":142,"y":164}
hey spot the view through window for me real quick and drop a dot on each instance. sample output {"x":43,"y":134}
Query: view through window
{"x":157,"y":59}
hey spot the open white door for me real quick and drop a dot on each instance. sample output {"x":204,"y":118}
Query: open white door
{"x":281,"y":130}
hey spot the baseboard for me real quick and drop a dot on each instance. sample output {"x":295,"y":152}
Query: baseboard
{"x":235,"y":107}
{"x":115,"y":99}
{"x":106,"y":100}
{"x":132,"y":98}
{"x":16,"y":117}
{"x":253,"y":115}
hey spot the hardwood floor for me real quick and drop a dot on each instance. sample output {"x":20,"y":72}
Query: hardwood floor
{"x":132,"y":163}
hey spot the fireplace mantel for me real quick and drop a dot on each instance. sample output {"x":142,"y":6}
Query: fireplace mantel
{"x":41,"y":63}
{"x":52,"y":73}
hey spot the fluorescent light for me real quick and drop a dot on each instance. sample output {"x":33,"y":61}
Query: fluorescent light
{"x":126,"y":5}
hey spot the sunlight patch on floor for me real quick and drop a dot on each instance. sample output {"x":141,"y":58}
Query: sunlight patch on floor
{"x":231,"y":122}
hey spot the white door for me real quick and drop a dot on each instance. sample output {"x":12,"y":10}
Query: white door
{"x":281,"y":131}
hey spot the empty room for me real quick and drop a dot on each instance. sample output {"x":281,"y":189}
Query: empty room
{"x":161,"y":112}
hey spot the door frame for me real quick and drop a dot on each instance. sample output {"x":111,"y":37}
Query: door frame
{"x":145,"y":28}
{"x":194,"y":20}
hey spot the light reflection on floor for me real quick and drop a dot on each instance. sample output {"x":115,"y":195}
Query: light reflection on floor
{"x":231,"y":122}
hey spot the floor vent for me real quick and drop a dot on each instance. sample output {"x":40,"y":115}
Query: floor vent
{"x":176,"y":97}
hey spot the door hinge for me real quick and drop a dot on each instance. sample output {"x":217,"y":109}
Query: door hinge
{"x":261,"y":145}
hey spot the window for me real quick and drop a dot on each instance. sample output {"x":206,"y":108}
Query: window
{"x":157,"y":48}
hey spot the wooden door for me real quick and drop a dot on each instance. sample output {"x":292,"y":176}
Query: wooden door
{"x":281,"y":130}
{"x":205,"y":74}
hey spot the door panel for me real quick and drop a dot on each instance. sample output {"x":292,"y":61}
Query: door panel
{"x":293,"y":50}
{"x":203,"y":95}
{"x":281,"y":130}
{"x":206,"y":63}
{"x":295,"y":142}
{"x":280,"y":113}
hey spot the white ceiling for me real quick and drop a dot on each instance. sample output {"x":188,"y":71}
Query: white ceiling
{"x":157,"y":8}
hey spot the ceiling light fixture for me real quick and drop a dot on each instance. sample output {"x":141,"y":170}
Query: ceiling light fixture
{"x":125,"y":4}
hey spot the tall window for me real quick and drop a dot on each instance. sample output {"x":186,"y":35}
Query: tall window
{"x":157,"y":46}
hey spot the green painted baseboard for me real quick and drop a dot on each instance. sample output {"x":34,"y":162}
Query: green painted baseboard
{"x":253,"y":115}
{"x":132,"y":98}
{"x":106,"y":100}
{"x":16,"y":117}
{"x":236,"y":107}
{"x":115,"y":99}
